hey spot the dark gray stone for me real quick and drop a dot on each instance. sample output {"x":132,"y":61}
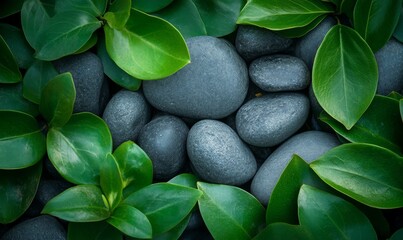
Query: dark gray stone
{"x":253,"y":42}
{"x":39,"y":228}
{"x":164,"y":141}
{"x":277,"y":73}
{"x":218,"y":155}
{"x":268,"y":120}
{"x":308,"y":145}
{"x":126,"y":113}
{"x":213,"y":85}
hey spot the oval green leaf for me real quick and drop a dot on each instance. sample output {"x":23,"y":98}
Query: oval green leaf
{"x":347,"y":7}
{"x":93,"y":231}
{"x":78,"y":149}
{"x":397,"y":235}
{"x":230,"y":212}
{"x":118,"y":13}
{"x":367,"y":173}
{"x":398,"y":34}
{"x":329,"y":217}
{"x":9,"y":7}
{"x":89,"y":44}
{"x":9,"y":71}
{"x":280,"y":231}
{"x":141,"y":52}
{"x":401,"y":108}
{"x":82,"y":203}
{"x":176,"y":232}
{"x":94,"y":7}
{"x":111,"y":181}
{"x":150,"y":6}
{"x":301,"y":31}
{"x":345,"y":75}
{"x":185,"y":179}
{"x":11,"y":99}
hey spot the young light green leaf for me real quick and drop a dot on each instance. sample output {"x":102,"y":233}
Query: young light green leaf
{"x":82,"y":203}
{"x":185,"y":179}
{"x":9,"y":71}
{"x":111,"y":181}
{"x":176,"y":232}
{"x":398,"y":34}
{"x":11,"y":99}
{"x":301,"y":31}
{"x":282,"y":14}
{"x":17,"y":190}
{"x":279,"y":231}
{"x":141,"y":52}
{"x":94,"y":7}
{"x":78,"y":149}
{"x":345,"y":75}
{"x":131,"y":221}
{"x":33,"y":16}
{"x":367,"y":173}
{"x":329,"y":217}
{"x":118,"y":13}
{"x":89,"y":44}
{"x":230,"y":212}
{"x":9,"y":7}
{"x":93,"y":231}
{"x":22,"y":143}
{"x":150,"y":6}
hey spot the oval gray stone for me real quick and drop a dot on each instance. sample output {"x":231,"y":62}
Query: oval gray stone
{"x":218,"y":155}
{"x":277,"y":73}
{"x":268,"y":120}
{"x":308,"y":145}
{"x":164,"y":141}
{"x":126,"y":113}
{"x":213,"y":85}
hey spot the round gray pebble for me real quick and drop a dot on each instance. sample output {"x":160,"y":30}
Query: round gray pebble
{"x":268,"y":120}
{"x":213,"y":85}
{"x":218,"y":155}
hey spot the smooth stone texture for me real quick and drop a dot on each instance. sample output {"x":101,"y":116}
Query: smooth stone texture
{"x":126,"y":113}
{"x":252,"y":42}
{"x":390,"y":67}
{"x":89,"y":81}
{"x":213,"y":85}
{"x":39,"y":228}
{"x":308,"y":145}
{"x":218,"y":155}
{"x":164,"y":141}
{"x":277,"y":73}
{"x":268,"y":120}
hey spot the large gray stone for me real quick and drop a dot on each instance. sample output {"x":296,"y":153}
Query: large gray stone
{"x":164,"y":141}
{"x":126,"y":113}
{"x":213,"y":85}
{"x":218,"y":155}
{"x":308,"y":145}
{"x":268,"y":120}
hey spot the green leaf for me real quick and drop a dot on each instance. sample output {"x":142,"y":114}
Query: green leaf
{"x":347,"y":7}
{"x":368,"y":129}
{"x":94,"y":7}
{"x":176,"y":232}
{"x":185,"y":179}
{"x":17,"y":191}
{"x":141,"y":52}
{"x":397,"y":235}
{"x":301,"y":31}
{"x":118,"y":13}
{"x":367,"y":173}
{"x":78,"y":149}
{"x":111,"y":181}
{"x":131,"y":221}
{"x":398,"y":34}
{"x":89,"y":44}
{"x":164,"y":204}
{"x":395,"y":95}
{"x":82,"y":203}
{"x":22,"y":143}
{"x":57,"y":100}
{"x":150,"y":6}
{"x":93,"y":231}
{"x":9,"y":7}
{"x":281,"y":231}
{"x":9,"y":71}
{"x":230,"y":212}
{"x":370,"y":21}
{"x":345,"y":75}
{"x":11,"y":99}
{"x":329,"y":217}
{"x":115,"y":73}
{"x":401,"y":108}
{"x":135,"y":167}
{"x":282,"y":14}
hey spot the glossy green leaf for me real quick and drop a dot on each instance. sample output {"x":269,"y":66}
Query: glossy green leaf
{"x":93,"y":231}
{"x":370,"y":21}
{"x":280,"y":231}
{"x":347,"y":7}
{"x":329,"y":217}
{"x":57,"y":100}
{"x":176,"y":232}
{"x":185,"y":179}
{"x":9,"y":71}
{"x":9,"y":7}
{"x":111,"y":181}
{"x":11,"y":99}
{"x":150,"y":6}
{"x":140,"y":51}
{"x":78,"y":149}
{"x":82,"y":203}
{"x":164,"y":204}
{"x":345,"y":75}
{"x":17,"y":191}
{"x":367,"y":173}
{"x":282,"y":14}
{"x":89,"y":44}
{"x":112,"y":70}
{"x":301,"y":31}
{"x":395,"y":95}
{"x":93,"y":7}
{"x":398,"y":235}
{"x":368,"y":129}
{"x":118,"y":13}
{"x":398,"y":34}
{"x":131,"y":221}
{"x":135,"y":167}
{"x":230,"y":212}
{"x":22,"y":143}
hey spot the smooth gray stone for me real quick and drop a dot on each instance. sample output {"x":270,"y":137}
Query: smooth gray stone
{"x":252,"y":42}
{"x":268,"y":120}
{"x":277,"y":73}
{"x":126,"y":113}
{"x":308,"y":145}
{"x":213,"y":85}
{"x":218,"y":155}
{"x":390,"y":67}
{"x":164,"y":141}
{"x":88,"y":76}
{"x":39,"y":228}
